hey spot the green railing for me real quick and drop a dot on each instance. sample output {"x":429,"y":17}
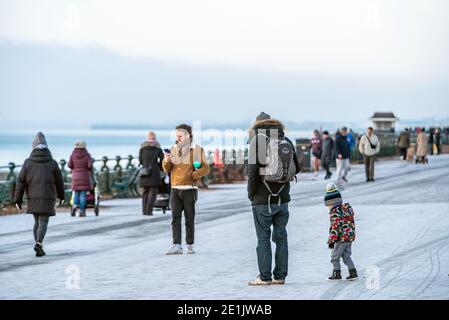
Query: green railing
{"x":117,"y":177}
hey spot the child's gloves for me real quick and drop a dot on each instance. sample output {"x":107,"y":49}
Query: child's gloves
{"x":331,"y":245}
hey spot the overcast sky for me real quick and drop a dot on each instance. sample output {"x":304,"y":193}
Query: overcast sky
{"x":307,"y":60}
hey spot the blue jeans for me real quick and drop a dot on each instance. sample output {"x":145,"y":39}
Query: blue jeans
{"x":80,"y":199}
{"x":263,"y":221}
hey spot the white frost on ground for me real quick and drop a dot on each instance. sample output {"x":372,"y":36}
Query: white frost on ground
{"x":402,"y":229}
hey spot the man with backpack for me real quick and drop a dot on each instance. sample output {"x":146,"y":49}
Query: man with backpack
{"x":369,"y":147}
{"x":272,"y":164}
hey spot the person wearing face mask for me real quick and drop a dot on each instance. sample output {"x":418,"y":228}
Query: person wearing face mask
{"x":187,"y":164}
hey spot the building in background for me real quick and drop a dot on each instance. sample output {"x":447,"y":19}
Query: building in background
{"x":384,"y":121}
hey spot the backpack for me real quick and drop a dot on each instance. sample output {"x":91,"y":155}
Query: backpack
{"x":279,"y":165}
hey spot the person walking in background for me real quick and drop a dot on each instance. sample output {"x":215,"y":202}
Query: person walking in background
{"x":40,"y":178}
{"x":431,"y":141}
{"x":438,"y":141}
{"x":351,"y":140}
{"x":369,"y":147}
{"x":421,"y":146}
{"x":187,"y":164}
{"x":328,"y":153}
{"x":270,"y":199}
{"x":343,"y":152}
{"x":82,"y":181}
{"x":341,"y":233}
{"x":150,"y":158}
{"x":404,"y":143}
{"x":316,"y":147}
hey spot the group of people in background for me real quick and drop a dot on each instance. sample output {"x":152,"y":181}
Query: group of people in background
{"x":324,"y":150}
{"x":41,"y":180}
{"x":427,"y":142}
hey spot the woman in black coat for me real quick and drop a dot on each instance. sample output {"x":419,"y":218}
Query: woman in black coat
{"x":41,"y":180}
{"x":150,"y":157}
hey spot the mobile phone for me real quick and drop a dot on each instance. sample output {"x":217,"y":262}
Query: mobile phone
{"x":167,"y":150}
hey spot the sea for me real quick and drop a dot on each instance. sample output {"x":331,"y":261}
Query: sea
{"x":15,"y":145}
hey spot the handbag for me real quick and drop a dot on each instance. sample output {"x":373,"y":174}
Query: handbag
{"x":373,"y":146}
{"x":145,"y":172}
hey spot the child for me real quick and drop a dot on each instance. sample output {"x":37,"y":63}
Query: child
{"x":341,"y":232}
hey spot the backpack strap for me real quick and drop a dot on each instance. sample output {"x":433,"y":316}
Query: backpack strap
{"x":273,"y":194}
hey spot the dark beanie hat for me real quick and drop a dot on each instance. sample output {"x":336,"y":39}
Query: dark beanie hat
{"x":263,"y":116}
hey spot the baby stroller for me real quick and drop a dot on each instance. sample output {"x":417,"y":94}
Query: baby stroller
{"x":163,"y":197}
{"x":92,"y":198}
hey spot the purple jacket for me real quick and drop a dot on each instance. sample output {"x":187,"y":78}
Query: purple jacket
{"x":81,"y":164}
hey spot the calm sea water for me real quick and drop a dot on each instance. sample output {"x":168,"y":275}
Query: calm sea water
{"x":15,"y":146}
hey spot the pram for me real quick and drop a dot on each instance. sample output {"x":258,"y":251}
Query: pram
{"x":163,"y":197}
{"x":92,"y":198}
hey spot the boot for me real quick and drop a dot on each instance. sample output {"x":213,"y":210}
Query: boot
{"x":352,"y":275}
{"x":336,"y":275}
{"x":39,"y":250}
{"x":73,"y":211}
{"x":82,"y":213}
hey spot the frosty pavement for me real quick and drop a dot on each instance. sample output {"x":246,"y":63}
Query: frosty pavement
{"x":401,"y":251}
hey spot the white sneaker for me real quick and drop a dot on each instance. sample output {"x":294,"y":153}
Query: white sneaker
{"x":259,"y":282}
{"x":175,"y":249}
{"x":190,"y":249}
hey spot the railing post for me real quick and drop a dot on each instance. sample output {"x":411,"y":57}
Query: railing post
{"x":104,"y":180}
{"x":11,"y":174}
{"x":64,"y":172}
{"x":130,"y":166}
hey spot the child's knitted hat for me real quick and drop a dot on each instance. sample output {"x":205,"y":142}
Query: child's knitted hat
{"x":333,"y":196}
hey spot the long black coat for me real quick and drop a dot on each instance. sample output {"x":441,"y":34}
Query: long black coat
{"x":151,"y":155}
{"x":42,"y":181}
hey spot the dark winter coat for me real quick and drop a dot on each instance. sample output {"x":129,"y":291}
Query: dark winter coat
{"x":438,"y":139}
{"x":431,"y":137}
{"x":41,"y":180}
{"x":257,"y":191}
{"x":328,"y":151}
{"x":404,"y":140}
{"x":81,"y":164}
{"x":151,"y":155}
{"x":342,"y":146}
{"x":342,"y":224}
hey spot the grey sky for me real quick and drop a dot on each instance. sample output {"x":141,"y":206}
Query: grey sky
{"x":222,"y":61}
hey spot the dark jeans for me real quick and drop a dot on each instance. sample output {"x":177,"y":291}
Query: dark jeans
{"x":403,"y":153}
{"x":326,"y":163}
{"x":183,"y":200}
{"x":40,"y":227}
{"x":148,"y":199}
{"x":369,"y":166}
{"x":263,"y":221}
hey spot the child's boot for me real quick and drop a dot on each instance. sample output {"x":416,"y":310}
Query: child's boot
{"x":352,"y":275}
{"x":336,"y":275}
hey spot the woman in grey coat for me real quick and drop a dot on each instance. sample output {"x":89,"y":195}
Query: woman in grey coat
{"x":41,"y":180}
